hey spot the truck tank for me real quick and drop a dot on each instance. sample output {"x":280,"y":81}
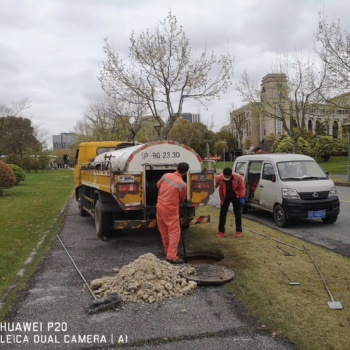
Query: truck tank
{"x":157,"y":154}
{"x":152,"y":159}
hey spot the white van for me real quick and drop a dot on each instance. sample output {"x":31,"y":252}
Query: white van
{"x":291,"y":186}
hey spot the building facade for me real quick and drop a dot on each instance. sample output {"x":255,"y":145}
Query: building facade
{"x":258,"y":126}
{"x":192,"y":118}
{"x":64,"y":140}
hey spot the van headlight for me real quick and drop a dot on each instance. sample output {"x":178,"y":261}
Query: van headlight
{"x":332,"y":192}
{"x":290,"y":193}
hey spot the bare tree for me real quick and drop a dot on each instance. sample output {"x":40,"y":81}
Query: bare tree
{"x":162,"y":73}
{"x":14,"y":108}
{"x":293,"y":90}
{"x":109,"y":119}
{"x":41,"y":134}
{"x":239,"y":122}
{"x":334,"y":51}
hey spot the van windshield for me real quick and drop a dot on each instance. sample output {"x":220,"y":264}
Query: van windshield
{"x":300,"y":171}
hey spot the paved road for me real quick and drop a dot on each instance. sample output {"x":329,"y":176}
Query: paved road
{"x":56,"y":299}
{"x":335,"y":237}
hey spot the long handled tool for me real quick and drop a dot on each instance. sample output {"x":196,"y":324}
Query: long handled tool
{"x":291,"y":283}
{"x":284,"y":251}
{"x":99,"y":304}
{"x":336,"y":305}
{"x":182,"y":238}
{"x":277,"y":240}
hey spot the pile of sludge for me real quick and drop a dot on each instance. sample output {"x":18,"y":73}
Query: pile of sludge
{"x":147,"y":279}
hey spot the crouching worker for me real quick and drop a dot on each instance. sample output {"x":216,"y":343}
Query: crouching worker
{"x":231,"y":190}
{"x":172,"y":192}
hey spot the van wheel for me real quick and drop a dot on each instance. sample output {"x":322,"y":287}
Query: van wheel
{"x":102,"y":222}
{"x":280,"y":216}
{"x":330,"y":219}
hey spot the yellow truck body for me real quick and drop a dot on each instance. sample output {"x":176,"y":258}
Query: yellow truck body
{"x":115,"y":182}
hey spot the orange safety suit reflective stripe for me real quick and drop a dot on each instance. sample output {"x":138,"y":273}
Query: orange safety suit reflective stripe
{"x":172,"y":192}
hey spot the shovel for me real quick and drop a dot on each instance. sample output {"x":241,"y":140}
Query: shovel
{"x":335,"y":305}
{"x":290,"y":281}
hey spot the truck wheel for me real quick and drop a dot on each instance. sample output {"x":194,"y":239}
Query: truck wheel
{"x":330,"y":219}
{"x":102,"y":222}
{"x":81,"y":202}
{"x":280,"y":216}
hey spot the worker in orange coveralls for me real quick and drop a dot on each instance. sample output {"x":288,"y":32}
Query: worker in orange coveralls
{"x":172,"y":192}
{"x":231,"y":190}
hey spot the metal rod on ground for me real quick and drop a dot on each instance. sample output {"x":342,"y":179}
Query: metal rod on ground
{"x":87,"y":285}
{"x":99,"y":304}
{"x":290,"y":281}
{"x":336,"y":305}
{"x":261,"y":234}
{"x":284,"y":251}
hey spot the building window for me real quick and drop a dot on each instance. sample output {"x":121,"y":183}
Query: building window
{"x":278,"y":126}
{"x":326,"y":127}
{"x":309,"y":126}
{"x":335,"y":129}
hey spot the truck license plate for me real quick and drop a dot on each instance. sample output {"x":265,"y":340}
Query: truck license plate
{"x":316,"y":214}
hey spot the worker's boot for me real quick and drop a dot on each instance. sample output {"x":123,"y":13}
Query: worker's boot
{"x":176,"y":262}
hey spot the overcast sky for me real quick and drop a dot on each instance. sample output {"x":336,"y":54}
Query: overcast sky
{"x":50,"y":50}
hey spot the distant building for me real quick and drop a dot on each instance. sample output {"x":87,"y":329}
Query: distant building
{"x":192,"y":118}
{"x":258,"y":126}
{"x":64,"y":140}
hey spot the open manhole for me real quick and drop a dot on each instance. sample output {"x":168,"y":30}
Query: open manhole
{"x":199,"y":258}
{"x":208,"y":272}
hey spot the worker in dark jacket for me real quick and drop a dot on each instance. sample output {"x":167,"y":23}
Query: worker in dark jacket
{"x":231,"y":190}
{"x":172,"y":192}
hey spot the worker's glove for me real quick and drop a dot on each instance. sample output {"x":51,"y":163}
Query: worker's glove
{"x":241,"y":203}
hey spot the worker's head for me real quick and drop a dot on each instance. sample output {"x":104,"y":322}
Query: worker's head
{"x":182,"y":168}
{"x":227,"y":172}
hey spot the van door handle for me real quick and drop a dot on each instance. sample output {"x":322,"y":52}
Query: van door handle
{"x":261,"y":186}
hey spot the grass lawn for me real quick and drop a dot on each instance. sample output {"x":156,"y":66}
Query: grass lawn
{"x":300,"y":313}
{"x":336,"y":165}
{"x":27,"y":211}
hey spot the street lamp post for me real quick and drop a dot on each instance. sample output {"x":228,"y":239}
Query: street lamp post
{"x":347,"y":127}
{"x":224,"y":143}
{"x":158,"y":129}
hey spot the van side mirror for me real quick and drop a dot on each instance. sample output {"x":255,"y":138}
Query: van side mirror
{"x":270,"y":178}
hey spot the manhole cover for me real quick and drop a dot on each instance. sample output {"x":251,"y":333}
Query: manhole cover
{"x":208,"y":274}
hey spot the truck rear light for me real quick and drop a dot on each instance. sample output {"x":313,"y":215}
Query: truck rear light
{"x":128,"y":187}
{"x":202,"y":185}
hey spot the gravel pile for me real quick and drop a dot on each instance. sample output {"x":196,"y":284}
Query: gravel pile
{"x":147,"y":280}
